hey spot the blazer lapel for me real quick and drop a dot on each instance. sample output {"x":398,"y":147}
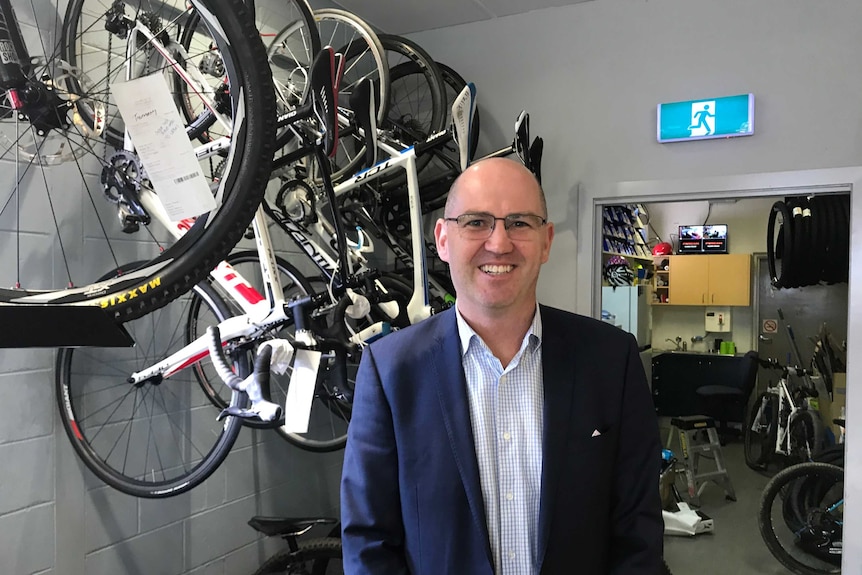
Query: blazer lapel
{"x":558,"y":369}
{"x":452,"y":393}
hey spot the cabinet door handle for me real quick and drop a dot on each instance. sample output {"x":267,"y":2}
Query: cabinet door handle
{"x":713,"y":298}
{"x":702,"y":298}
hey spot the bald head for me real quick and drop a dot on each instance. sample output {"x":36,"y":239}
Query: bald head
{"x":496,"y":171}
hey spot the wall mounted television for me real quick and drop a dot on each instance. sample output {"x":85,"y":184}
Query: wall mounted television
{"x":707,"y":239}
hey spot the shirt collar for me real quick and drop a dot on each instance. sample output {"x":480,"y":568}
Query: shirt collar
{"x":466,"y":333}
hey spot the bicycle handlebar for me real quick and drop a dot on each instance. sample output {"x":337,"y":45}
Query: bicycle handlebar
{"x":252,"y":385}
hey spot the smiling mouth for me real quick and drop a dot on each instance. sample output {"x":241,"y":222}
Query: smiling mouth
{"x":496,"y":270}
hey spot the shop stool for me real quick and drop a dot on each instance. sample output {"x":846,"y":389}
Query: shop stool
{"x":691,"y":430}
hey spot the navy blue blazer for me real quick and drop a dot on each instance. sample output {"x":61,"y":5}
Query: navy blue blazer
{"x":411,"y":501}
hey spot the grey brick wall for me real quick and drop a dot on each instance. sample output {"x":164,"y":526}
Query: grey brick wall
{"x":55,"y":516}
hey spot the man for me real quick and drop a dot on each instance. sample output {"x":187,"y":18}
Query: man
{"x":501,"y":436}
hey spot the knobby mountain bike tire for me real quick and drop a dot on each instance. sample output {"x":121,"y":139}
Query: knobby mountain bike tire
{"x":820,"y":510}
{"x":64,"y":171}
{"x":158,"y":438}
{"x":320,"y":556}
{"x":759,"y":440}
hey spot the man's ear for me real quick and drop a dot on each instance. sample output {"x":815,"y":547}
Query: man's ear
{"x":441,"y":237}
{"x":546,"y":252}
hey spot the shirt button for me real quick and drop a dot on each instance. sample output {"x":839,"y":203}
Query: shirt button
{"x":507,"y":436}
{"x":509,"y":496}
{"x":502,"y":379}
{"x":511,"y":554}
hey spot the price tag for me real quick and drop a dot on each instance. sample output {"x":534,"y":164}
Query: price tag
{"x":157,"y":131}
{"x":300,"y":393}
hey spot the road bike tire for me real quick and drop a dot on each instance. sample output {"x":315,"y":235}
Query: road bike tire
{"x":779,"y":245}
{"x":779,"y":539}
{"x":437,"y":176}
{"x":81,"y":75}
{"x":156,"y":439}
{"x":320,"y":556}
{"x":364,"y":58}
{"x":759,"y":443}
{"x":417,"y":101}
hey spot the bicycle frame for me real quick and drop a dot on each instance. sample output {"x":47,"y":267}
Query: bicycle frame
{"x":263,"y":313}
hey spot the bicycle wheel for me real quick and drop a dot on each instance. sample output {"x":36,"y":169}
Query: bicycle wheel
{"x":760,"y":431}
{"x":417,"y":99}
{"x":812,"y":543}
{"x":779,"y":246}
{"x":363,"y":58}
{"x":158,"y":438}
{"x":66,"y":168}
{"x":437,"y":176}
{"x":320,"y":556}
{"x":806,"y":436}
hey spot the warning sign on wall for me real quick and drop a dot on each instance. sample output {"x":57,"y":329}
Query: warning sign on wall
{"x":769,"y":326}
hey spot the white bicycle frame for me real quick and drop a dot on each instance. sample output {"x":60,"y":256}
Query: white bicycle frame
{"x":262,"y":312}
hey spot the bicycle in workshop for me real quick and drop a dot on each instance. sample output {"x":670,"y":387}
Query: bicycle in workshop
{"x":67,"y":148}
{"x":783,"y":422}
{"x":315,"y":556}
{"x":801,"y":516}
{"x":142,"y":423}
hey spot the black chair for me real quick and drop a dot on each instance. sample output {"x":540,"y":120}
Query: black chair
{"x":727,"y":403}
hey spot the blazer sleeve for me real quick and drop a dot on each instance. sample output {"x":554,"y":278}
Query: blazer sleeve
{"x":372,"y":529}
{"x":637,"y":525}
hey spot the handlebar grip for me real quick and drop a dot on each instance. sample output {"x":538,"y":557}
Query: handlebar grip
{"x":218,"y":359}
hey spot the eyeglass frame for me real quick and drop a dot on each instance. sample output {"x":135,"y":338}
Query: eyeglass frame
{"x":507,"y":223}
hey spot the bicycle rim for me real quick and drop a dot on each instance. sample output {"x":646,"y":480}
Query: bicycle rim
{"x":55,"y":200}
{"x":364,"y":58}
{"x":156,"y":439}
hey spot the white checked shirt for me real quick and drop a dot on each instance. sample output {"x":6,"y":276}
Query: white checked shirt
{"x":506,"y":413}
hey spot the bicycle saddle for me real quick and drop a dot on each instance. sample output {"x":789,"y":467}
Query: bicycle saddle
{"x":365,"y":115}
{"x":325,"y":76}
{"x":272,"y":526}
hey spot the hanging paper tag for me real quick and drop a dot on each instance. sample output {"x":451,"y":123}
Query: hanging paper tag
{"x":157,"y":131}
{"x":300,"y":393}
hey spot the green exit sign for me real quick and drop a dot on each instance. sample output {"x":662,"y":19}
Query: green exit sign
{"x":707,"y":118}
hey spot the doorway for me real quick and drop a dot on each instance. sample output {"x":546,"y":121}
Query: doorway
{"x":768,"y":185}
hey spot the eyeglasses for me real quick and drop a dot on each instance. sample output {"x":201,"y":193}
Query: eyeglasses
{"x":480,"y":226}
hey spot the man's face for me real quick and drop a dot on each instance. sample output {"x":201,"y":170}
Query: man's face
{"x":496,"y":275}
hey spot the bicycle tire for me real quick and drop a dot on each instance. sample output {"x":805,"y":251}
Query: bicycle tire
{"x":417,"y":99}
{"x":759,"y":444}
{"x":364,"y":57}
{"x":314,"y":556}
{"x":773,"y":529}
{"x":174,"y":267}
{"x":806,"y":427}
{"x":780,"y":246}
{"x":173,"y":444}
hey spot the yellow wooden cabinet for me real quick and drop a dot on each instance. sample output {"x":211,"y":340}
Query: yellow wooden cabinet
{"x":710,"y":280}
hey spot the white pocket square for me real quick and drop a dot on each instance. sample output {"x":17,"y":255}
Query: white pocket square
{"x":596,"y":433}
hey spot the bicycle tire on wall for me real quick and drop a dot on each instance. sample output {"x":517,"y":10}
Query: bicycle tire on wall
{"x":174,"y":270}
{"x":166,"y":426}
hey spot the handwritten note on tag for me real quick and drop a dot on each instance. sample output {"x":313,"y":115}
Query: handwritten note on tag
{"x":160,"y":139}
{"x":300,"y":393}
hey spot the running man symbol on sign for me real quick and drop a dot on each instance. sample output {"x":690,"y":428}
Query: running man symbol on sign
{"x":700,"y":118}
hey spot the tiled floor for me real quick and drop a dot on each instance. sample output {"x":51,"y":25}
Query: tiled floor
{"x":735,"y":547}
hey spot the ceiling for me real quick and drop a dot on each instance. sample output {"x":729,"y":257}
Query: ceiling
{"x":405,"y":16}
